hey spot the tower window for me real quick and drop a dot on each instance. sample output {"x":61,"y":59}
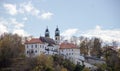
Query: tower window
{"x":56,"y":38}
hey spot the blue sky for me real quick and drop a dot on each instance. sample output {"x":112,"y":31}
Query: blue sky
{"x":73,"y":17}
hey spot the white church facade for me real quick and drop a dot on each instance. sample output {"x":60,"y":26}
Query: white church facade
{"x":49,"y":46}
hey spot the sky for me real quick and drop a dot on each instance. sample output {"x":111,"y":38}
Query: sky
{"x":90,"y":18}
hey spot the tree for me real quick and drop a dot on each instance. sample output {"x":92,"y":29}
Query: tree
{"x":59,"y":60}
{"x":96,"y":48}
{"x":84,"y":46}
{"x":86,"y":69}
{"x":44,"y":63}
{"x":10,"y":47}
{"x":78,"y":68}
{"x":112,"y":58}
{"x":63,"y":69}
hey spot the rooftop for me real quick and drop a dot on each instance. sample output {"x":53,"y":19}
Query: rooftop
{"x":67,"y":46}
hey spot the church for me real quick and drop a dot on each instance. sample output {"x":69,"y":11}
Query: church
{"x":48,"y":46}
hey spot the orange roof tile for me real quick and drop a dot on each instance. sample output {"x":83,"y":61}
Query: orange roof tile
{"x":33,"y":40}
{"x":67,"y":46}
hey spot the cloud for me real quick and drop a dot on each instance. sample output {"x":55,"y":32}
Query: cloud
{"x":27,"y":8}
{"x":25,"y":18}
{"x":3,"y":28}
{"x":105,"y":35}
{"x":11,"y":9}
{"x":12,"y":26}
{"x":16,"y":24}
{"x":46,"y":15}
{"x":20,"y":32}
{"x":67,"y":34}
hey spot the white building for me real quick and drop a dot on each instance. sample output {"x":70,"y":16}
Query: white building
{"x":42,"y":45}
{"x":71,"y":51}
{"x":48,"y":46}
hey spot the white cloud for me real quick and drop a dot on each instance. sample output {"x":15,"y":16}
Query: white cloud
{"x":3,"y":29}
{"x":46,"y":15}
{"x":67,"y":34}
{"x":11,"y":8}
{"x":25,"y":18}
{"x":27,"y":8}
{"x":12,"y":26}
{"x":16,"y":24}
{"x":20,"y":32}
{"x":106,"y":35}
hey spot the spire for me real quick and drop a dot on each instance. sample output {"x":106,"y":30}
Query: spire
{"x":57,"y":32}
{"x":47,"y":32}
{"x":57,"y":35}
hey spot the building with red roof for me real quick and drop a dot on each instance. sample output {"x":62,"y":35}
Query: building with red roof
{"x":49,"y":46}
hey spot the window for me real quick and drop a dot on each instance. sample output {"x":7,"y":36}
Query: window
{"x":27,"y":52}
{"x":31,"y":46}
{"x":72,"y":53}
{"x":69,"y":53}
{"x":66,"y":53}
{"x":27,"y":46}
{"x":32,"y":51}
{"x":35,"y":51}
{"x":36,"y":46}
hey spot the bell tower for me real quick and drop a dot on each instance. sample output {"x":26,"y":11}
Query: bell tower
{"x":47,"y":32}
{"x":57,"y":35}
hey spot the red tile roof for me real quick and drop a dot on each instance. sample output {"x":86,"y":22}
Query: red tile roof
{"x":67,"y":46}
{"x":33,"y":40}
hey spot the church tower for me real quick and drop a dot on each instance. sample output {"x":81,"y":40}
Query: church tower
{"x":47,"y":32}
{"x":57,"y":35}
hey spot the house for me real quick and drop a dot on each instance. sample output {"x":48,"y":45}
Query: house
{"x":71,"y":51}
{"x":49,"y":46}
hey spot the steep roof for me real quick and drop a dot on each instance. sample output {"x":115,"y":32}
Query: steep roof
{"x":41,"y":40}
{"x":47,"y":40}
{"x":68,"y":46}
{"x":33,"y":40}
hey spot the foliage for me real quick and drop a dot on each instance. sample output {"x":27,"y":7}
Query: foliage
{"x":96,"y":49}
{"x":59,"y":60}
{"x":84,"y":46}
{"x":78,"y":68}
{"x":63,"y":69}
{"x":10,"y":47}
{"x":44,"y":63}
{"x":112,"y":58}
{"x":86,"y":69}
{"x":12,"y":56}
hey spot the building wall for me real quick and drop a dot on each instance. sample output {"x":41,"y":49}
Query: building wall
{"x":35,"y":49}
{"x":72,"y":54}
